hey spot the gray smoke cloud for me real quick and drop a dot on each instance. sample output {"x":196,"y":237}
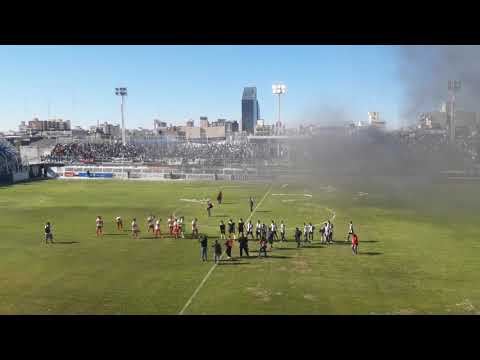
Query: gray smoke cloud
{"x":424,"y":72}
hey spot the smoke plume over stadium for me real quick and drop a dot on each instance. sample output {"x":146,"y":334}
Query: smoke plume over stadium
{"x":424,"y":72}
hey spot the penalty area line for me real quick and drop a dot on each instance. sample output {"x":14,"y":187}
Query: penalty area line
{"x":187,"y":304}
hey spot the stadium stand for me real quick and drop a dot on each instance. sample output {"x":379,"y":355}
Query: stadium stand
{"x":10,"y":162}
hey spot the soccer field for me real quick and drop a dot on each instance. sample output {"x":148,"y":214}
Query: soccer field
{"x":419,"y":249}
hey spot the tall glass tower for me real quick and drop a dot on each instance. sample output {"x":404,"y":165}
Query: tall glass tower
{"x":250,"y":109}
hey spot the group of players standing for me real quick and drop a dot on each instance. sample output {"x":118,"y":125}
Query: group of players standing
{"x":266,"y":235}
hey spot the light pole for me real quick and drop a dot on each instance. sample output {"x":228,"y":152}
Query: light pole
{"x":122,"y":92}
{"x":453,"y":87}
{"x":279,"y":89}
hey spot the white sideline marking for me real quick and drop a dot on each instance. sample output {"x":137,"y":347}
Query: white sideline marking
{"x":215,"y":264}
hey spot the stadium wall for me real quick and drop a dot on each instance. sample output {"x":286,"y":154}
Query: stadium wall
{"x":156,"y":173}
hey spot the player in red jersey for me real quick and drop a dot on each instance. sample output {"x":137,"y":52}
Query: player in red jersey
{"x":354,"y":244}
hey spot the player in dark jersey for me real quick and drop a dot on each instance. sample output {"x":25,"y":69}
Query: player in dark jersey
{"x":48,"y":233}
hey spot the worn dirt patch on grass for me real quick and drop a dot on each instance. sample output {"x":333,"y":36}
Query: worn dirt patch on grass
{"x":309,"y":297}
{"x":260,"y":293}
{"x":301,"y":265}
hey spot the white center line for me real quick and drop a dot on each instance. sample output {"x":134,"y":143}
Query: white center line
{"x":215,"y":264}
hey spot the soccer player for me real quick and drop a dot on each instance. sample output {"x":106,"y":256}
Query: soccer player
{"x":151,"y":224}
{"x":251,"y":204}
{"x":354,"y":244}
{"x":243,"y":241}
{"x":209,"y":208}
{"x":176,"y":229}
{"x":241,"y":228}
{"x":298,"y":237}
{"x":229,"y":246}
{"x":330,"y":231}
{"x":273,"y":229}
{"x":203,"y":246}
{"x":220,"y":197}
{"x":99,"y":223}
{"x":157,"y":228}
{"x":48,"y":233}
{"x":263,"y":234}
{"x":250,"y":228}
{"x":231,"y":228}
{"x":258,"y":230}
{"x":217,"y":248}
{"x":170,"y":224}
{"x":305,"y":233}
{"x":270,"y":238}
{"x":322,"y":232}
{"x":282,"y":231}
{"x":311,"y":229}
{"x":350,"y":231}
{"x":222,"y":230}
{"x":119,"y":223}
{"x":194,"y":228}
{"x":327,"y":232}
{"x":181,"y":222}
{"x":135,"y":229}
{"x":263,"y":248}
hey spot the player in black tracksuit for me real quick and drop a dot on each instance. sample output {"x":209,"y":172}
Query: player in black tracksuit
{"x":241,"y":227}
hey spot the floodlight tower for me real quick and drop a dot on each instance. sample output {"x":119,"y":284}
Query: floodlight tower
{"x":122,"y":92}
{"x":279,"y":89}
{"x":453,"y":87}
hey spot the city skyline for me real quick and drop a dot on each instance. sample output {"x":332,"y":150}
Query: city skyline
{"x":177,"y":83}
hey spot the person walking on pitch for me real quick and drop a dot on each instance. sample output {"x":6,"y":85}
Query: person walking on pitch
{"x":222,"y":230}
{"x":251,"y":204}
{"x":203,"y":246}
{"x":135,"y":229}
{"x":119,"y":222}
{"x":354,"y":244}
{"x":99,"y":224}
{"x":282,"y":231}
{"x":48,"y":233}
{"x":217,"y":249}
{"x":350,"y":231}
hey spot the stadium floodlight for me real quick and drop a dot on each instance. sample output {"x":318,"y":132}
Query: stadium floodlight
{"x":453,"y":87}
{"x":279,"y":89}
{"x":122,"y":91}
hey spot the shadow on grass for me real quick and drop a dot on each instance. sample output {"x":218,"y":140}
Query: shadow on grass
{"x":116,"y":234}
{"x":229,"y":262}
{"x":312,"y":247}
{"x":370,"y":253}
{"x":66,"y":242}
{"x":263,"y":211}
{"x":369,"y":241}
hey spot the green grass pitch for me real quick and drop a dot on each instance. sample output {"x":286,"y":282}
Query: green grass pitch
{"x":419,"y":250}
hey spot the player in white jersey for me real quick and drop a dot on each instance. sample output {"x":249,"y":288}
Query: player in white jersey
{"x":194,"y":228}
{"x":99,"y":224}
{"x":350,"y":231}
{"x":151,"y":224}
{"x":258,"y":230}
{"x":135,"y":229}
{"x":282,"y":231}
{"x":157,"y":228}
{"x":273,"y":229}
{"x":311,"y":229}
{"x":119,"y":222}
{"x":250,"y":229}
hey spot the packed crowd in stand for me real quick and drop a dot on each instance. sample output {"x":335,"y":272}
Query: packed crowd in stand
{"x":9,"y":158}
{"x":185,"y":152}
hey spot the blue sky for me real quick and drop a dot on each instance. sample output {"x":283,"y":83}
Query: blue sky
{"x":175,"y":83}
